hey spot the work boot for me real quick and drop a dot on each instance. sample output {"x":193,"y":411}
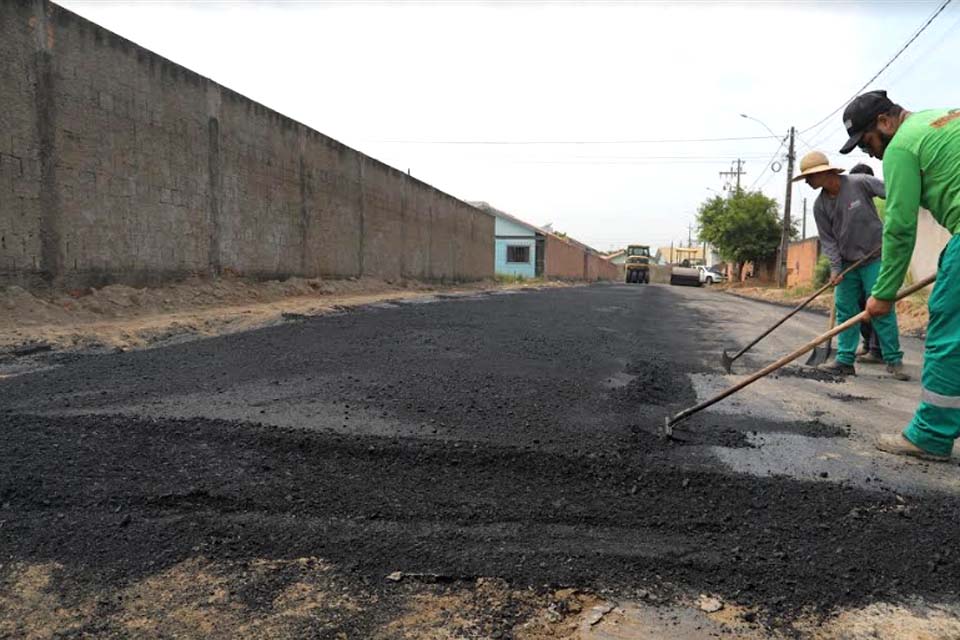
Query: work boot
{"x":896,"y":444}
{"x":864,"y":350}
{"x":838,"y":368}
{"x":870,"y":358}
{"x":896,"y":371}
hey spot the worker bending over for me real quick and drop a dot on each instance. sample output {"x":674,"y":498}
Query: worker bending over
{"x":850,"y":230}
{"x":921,"y":167}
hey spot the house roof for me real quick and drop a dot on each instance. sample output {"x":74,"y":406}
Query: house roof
{"x":485,"y":206}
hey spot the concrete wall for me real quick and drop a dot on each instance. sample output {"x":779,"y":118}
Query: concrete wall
{"x":563,"y":260}
{"x":117,"y":165}
{"x":599,"y":268}
{"x":755,"y":274}
{"x":660,"y":273}
{"x":931,"y":239}
{"x":569,"y":261}
{"x":801,"y":261}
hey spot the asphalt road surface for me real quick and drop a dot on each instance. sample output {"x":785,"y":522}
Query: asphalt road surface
{"x":510,"y":436}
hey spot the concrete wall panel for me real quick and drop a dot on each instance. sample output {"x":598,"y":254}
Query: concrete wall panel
{"x":28,"y":244}
{"x":117,"y":165}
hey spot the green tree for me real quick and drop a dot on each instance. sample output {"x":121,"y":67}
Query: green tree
{"x":746,"y":227}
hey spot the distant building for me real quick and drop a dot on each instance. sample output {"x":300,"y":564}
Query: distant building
{"x":696,"y":255}
{"x":618,"y":257}
{"x":518,"y":245}
{"x":525,"y":250}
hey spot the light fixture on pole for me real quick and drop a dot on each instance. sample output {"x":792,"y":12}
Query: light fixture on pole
{"x":787,"y":201}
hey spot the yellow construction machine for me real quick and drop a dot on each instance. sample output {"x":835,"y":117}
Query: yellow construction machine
{"x":637,"y":266}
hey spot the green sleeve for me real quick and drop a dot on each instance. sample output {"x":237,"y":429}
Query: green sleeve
{"x":881,"y":206}
{"x":901,"y":172}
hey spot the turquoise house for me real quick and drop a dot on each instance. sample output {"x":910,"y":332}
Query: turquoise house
{"x":518,"y":246}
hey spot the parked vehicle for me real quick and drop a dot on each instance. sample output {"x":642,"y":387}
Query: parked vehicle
{"x":709,"y":276}
{"x":637,"y":266}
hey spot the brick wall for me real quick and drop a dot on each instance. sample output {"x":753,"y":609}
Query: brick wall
{"x":117,"y":165}
{"x":801,"y":261}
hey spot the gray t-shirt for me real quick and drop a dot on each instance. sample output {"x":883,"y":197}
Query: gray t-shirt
{"x":849,"y":225}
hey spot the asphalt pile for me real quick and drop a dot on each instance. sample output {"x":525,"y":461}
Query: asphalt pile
{"x":461,"y":439}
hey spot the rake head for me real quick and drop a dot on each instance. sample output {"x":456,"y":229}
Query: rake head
{"x":821,"y":354}
{"x":667,"y":428}
{"x":726,"y":361}
{"x":668,"y":432}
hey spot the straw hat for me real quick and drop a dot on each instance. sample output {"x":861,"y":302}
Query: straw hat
{"x":815,"y":162}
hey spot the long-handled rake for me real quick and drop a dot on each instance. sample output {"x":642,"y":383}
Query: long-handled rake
{"x":728,"y":360}
{"x":670,"y":422}
{"x":822,"y":352}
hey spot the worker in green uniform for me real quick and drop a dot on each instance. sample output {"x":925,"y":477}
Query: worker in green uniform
{"x":921,"y":167}
{"x":850,"y":231}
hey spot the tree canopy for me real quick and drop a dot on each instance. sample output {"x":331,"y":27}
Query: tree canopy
{"x":746,"y":227}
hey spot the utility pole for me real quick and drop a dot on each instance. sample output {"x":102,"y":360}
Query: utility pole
{"x":785,"y":237}
{"x":690,"y":234}
{"x":804,"y":219}
{"x":735,"y":172}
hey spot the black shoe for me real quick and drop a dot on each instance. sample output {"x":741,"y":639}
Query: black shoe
{"x":838,"y":369}
{"x":897,"y":372}
{"x":870,"y":357}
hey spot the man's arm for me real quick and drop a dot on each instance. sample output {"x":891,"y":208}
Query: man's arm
{"x":901,"y":168}
{"x":874,"y":187}
{"x":828,"y":242}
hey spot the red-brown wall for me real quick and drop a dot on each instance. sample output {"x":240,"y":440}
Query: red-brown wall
{"x":801,"y":261}
{"x":568,"y":261}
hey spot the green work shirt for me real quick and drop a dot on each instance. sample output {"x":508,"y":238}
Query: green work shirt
{"x":921,"y":167}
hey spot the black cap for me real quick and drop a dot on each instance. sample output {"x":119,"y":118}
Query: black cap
{"x":860,"y":114}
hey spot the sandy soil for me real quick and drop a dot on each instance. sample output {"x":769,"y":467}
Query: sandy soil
{"x":120,"y":318}
{"x":200,"y":598}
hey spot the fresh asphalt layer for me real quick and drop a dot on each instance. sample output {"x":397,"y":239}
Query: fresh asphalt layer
{"x":510,"y":435}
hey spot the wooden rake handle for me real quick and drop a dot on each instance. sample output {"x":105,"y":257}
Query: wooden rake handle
{"x":770,"y":368}
{"x":803,"y":304}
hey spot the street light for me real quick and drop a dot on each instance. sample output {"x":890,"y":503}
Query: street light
{"x":785,"y":235}
{"x":743,"y":115}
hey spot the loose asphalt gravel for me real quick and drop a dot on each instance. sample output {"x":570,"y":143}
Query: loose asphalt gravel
{"x":509,"y":436}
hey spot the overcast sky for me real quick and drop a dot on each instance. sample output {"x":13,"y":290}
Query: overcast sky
{"x":401,"y":81}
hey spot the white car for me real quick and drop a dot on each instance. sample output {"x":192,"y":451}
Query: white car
{"x":708,"y":276}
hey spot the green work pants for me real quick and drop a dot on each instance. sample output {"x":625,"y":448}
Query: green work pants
{"x":936,"y":424}
{"x":847,"y":296}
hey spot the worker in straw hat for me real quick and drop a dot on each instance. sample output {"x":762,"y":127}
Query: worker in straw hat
{"x":850,"y":230}
{"x":921,"y":163}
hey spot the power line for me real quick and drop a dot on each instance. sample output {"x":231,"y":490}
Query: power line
{"x":538,"y":142}
{"x":769,"y":162}
{"x":804,"y":142}
{"x":928,"y":50}
{"x":627,"y":163}
{"x":884,"y":67}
